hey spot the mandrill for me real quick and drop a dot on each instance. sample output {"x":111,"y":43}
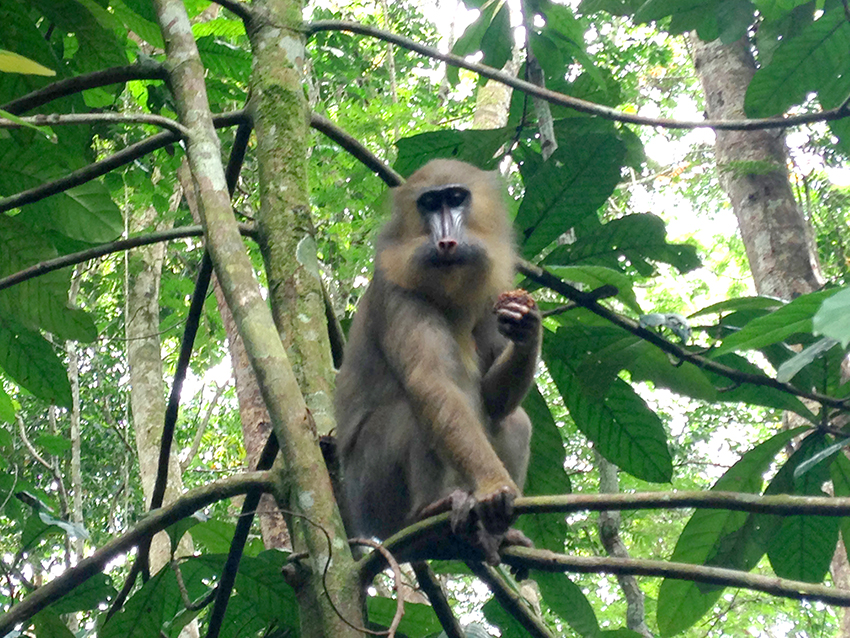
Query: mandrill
{"x":439,"y":359}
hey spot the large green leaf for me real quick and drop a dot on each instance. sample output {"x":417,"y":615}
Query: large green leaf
{"x":85,"y":213}
{"x":419,"y":620}
{"x":714,"y":537}
{"x":791,"y":318}
{"x":566,"y":599}
{"x":598,"y":276}
{"x":40,"y":303}
{"x":833,"y":318}
{"x":756,"y":395}
{"x":811,"y":61}
{"x":546,"y":475}
{"x":802,"y":546}
{"x":624,"y":429}
{"x":475,"y":147}
{"x":640,"y":236}
{"x":30,"y":361}
{"x":571,"y":185}
{"x":490,"y":34}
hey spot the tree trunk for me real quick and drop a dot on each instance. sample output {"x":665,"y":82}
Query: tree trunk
{"x":776,"y":235}
{"x":256,"y":422}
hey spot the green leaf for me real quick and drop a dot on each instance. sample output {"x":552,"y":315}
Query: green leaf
{"x":490,"y":34}
{"x":509,"y":626}
{"x":839,"y":472}
{"x":566,"y":599}
{"x":832,"y":319}
{"x":598,"y":276}
{"x":30,"y":361}
{"x":570,"y":186}
{"x":546,"y":475}
{"x":143,"y":27}
{"x":802,"y":546}
{"x":53,"y":444}
{"x":636,"y":237}
{"x":624,"y":429}
{"x":87,"y":596}
{"x":225,"y":60}
{"x":789,"y":369}
{"x":86,"y":213}
{"x":41,"y":302}
{"x":178,"y":530}
{"x":713,"y":537}
{"x":811,"y":61}
{"x":48,"y":624}
{"x":7,"y":408}
{"x":791,"y":318}
{"x":740,"y":303}
{"x":476,"y":147}
{"x":13,"y":63}
{"x":756,"y":395}
{"x":215,"y":535}
{"x":419,"y":620}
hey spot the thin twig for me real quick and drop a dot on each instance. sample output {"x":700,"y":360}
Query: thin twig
{"x":146,"y":69}
{"x":44,"y":267}
{"x":545,"y":560}
{"x":65,"y":119}
{"x":101,"y":167}
{"x":560,"y":99}
{"x":156,"y":521}
{"x":511,"y":600}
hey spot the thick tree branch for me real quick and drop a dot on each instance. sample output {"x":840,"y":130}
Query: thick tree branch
{"x":436,"y":527}
{"x":154,"y":522}
{"x":44,"y":267}
{"x":142,"y":70}
{"x":101,"y":167}
{"x":432,"y":588}
{"x":64,"y":119}
{"x":560,"y":99}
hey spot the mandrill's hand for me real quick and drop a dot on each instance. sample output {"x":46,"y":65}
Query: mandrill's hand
{"x":519,"y":318}
{"x":483,"y":521}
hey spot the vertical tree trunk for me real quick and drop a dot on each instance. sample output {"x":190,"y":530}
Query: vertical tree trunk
{"x":775,"y":233}
{"x":144,"y":360}
{"x":256,"y":422}
{"x":281,"y":119}
{"x":777,"y":236}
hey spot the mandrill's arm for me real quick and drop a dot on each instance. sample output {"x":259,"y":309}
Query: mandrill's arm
{"x":419,"y":346}
{"x":509,"y":378}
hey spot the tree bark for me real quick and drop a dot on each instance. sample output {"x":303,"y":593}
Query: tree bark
{"x":776,"y":235}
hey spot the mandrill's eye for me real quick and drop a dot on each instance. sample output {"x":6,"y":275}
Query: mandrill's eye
{"x":455,"y":197}
{"x":430,"y":202}
{"x":451,"y":197}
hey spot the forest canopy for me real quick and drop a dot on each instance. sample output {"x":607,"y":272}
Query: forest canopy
{"x":190,"y":197}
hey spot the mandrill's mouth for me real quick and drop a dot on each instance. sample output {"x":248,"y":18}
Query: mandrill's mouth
{"x":458,"y":256}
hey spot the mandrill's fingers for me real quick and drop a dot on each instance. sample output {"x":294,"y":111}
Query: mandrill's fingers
{"x":496,"y":510}
{"x":518,"y":317}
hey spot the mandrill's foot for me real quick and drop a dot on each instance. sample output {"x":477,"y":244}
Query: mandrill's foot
{"x":484,"y":523}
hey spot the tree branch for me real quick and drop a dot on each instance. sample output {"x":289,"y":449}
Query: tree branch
{"x":436,"y":527}
{"x":154,"y":522}
{"x":544,"y":560}
{"x":560,"y":99}
{"x":511,"y":600}
{"x":99,"y":168}
{"x":145,"y":69}
{"x":241,"y":10}
{"x":64,"y":119}
{"x":44,"y":267}
{"x":353,"y":146}
{"x":588,"y":300}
